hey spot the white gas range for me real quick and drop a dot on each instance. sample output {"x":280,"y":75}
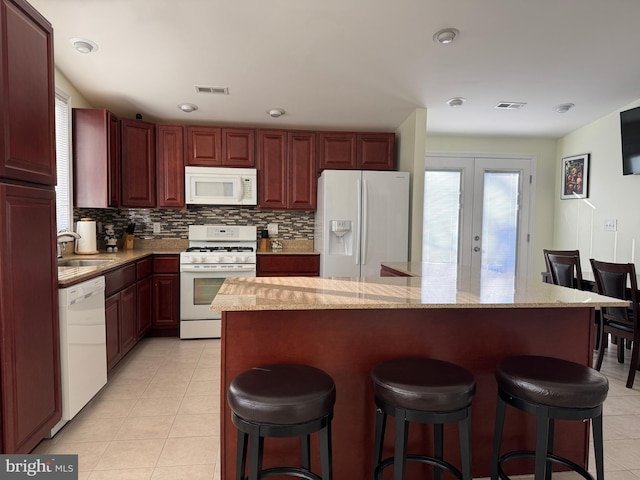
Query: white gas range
{"x":215,"y":252}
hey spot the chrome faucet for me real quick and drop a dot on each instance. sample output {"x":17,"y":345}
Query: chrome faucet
{"x":63,"y":238}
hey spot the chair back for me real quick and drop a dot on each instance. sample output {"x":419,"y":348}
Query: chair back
{"x":564,"y":267}
{"x":617,"y":280}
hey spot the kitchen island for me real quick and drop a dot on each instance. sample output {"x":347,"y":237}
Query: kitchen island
{"x":345,"y":326}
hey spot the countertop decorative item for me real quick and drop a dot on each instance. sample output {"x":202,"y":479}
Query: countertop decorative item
{"x":276,"y":245}
{"x":110,"y":239}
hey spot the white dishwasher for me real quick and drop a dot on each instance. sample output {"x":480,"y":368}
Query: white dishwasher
{"x":83,"y":346}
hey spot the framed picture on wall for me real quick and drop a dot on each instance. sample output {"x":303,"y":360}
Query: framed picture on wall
{"x":575,"y":177}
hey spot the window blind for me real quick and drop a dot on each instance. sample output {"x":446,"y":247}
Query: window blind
{"x":64,"y":215}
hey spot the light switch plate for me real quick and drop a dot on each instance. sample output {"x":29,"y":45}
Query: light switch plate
{"x":273,"y":229}
{"x":610,"y":225}
{"x":156,"y":227}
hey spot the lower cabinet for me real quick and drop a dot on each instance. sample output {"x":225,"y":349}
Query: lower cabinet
{"x":121,"y":311}
{"x":144,"y":270}
{"x":141,"y":298}
{"x":288,"y":265}
{"x":166,"y":296}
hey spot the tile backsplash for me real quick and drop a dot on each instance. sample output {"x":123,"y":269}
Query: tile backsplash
{"x":292,"y":225}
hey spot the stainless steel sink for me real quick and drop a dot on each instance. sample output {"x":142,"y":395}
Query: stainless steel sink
{"x":82,"y":262}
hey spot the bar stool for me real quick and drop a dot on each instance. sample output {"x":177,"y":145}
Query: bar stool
{"x":550,"y":389}
{"x":422,"y":390}
{"x":285,"y":400}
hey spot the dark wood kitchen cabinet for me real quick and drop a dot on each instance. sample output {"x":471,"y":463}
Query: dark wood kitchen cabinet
{"x":144,"y":284}
{"x":30,"y":402}
{"x":121,"y":312}
{"x":366,"y":151}
{"x":287,"y":265}
{"x":238,"y":147}
{"x":287,"y":170}
{"x":27,"y":120}
{"x":96,"y":158}
{"x":138,"y":166}
{"x":29,"y":335}
{"x":166,"y":296}
{"x":220,"y":147}
{"x":170,"y":166}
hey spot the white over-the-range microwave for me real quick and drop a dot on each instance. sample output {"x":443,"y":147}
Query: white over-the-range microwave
{"x":220,"y":186}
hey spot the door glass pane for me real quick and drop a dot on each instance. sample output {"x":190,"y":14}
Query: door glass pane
{"x":205,"y":289}
{"x":500,"y":221}
{"x":440,"y":240}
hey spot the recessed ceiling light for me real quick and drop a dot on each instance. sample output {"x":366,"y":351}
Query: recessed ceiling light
{"x":456,"y":101}
{"x":187,"y":107}
{"x":83,"y":45}
{"x":276,"y":112}
{"x":446,"y":36}
{"x":563,"y":107}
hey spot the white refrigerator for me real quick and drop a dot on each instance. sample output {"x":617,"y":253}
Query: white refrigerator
{"x":362,"y":220}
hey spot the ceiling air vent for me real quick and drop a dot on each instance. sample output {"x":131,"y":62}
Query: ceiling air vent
{"x":510,"y":105}
{"x":213,"y":90}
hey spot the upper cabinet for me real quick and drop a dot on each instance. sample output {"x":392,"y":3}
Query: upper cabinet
{"x":337,"y":150}
{"x":170,"y":166}
{"x":220,"y":147}
{"x":27,"y":119}
{"x":376,"y":151}
{"x":138,"y":173}
{"x":96,"y":158}
{"x":366,"y":151}
{"x":287,"y":170}
{"x":238,"y":147}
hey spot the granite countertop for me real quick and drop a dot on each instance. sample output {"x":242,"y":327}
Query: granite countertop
{"x":291,"y":247}
{"x":442,"y":288}
{"x":70,"y":275}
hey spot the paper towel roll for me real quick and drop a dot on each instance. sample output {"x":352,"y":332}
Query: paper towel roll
{"x":86,"y":244}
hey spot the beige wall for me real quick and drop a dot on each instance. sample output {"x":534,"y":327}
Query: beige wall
{"x":77,"y":100}
{"x":544,"y":152}
{"x":580,"y":224}
{"x":411,"y":139}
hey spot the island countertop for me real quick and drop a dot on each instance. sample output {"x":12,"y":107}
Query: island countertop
{"x":442,"y":288}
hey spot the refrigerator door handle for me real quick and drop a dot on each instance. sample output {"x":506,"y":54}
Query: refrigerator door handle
{"x":365,"y":203}
{"x":359,"y":222}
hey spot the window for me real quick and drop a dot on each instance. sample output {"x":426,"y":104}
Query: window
{"x":64,"y":214}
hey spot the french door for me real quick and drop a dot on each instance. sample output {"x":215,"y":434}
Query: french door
{"x":476,"y":213}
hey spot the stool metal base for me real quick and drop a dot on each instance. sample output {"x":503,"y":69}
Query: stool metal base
{"x":438,"y":419}
{"x":252,"y":435}
{"x":544,"y":456}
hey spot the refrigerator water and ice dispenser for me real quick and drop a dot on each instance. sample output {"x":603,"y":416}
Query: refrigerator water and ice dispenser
{"x":341,"y":238}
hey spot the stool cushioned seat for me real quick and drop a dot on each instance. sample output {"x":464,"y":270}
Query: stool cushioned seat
{"x":423,"y":391}
{"x":552,"y":381}
{"x":284,"y":394}
{"x":550,"y":389}
{"x":423,"y":384}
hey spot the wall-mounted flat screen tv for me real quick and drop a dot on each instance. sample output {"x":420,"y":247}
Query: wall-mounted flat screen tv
{"x":630,"y":133}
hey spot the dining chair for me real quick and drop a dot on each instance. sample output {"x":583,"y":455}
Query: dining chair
{"x":564,"y":268}
{"x":618,"y":280}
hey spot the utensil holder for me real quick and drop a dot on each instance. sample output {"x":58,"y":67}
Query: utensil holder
{"x":127,"y":243}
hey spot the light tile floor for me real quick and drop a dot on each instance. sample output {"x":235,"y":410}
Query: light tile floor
{"x":158,"y":418}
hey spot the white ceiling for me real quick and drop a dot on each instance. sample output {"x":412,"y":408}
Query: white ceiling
{"x":355,"y":64}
